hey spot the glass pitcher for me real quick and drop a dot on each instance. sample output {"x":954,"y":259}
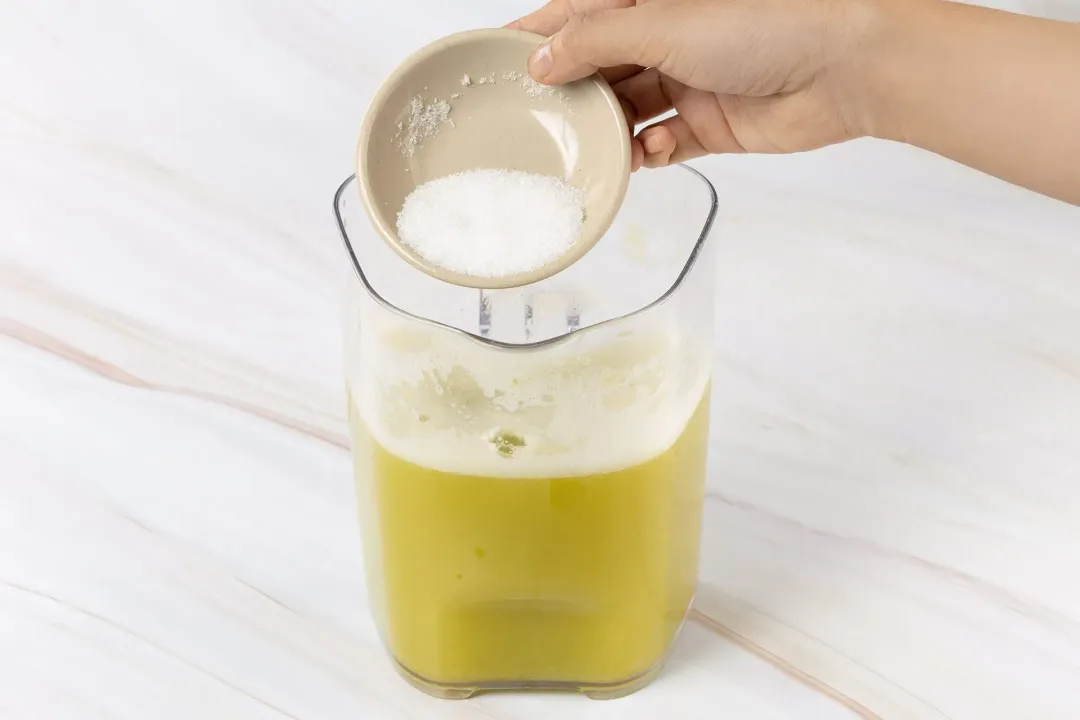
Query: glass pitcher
{"x":530,"y":463}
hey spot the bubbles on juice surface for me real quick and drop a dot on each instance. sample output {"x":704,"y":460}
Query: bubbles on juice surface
{"x":506,"y":442}
{"x":449,"y":403}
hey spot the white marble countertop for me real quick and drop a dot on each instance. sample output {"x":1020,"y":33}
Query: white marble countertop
{"x":893,"y":521}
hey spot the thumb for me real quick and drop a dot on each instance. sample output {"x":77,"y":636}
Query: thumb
{"x":607,"y":38}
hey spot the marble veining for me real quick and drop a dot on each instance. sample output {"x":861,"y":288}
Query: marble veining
{"x":891,"y":525}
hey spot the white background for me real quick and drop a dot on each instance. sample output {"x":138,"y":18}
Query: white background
{"x":892,"y":522}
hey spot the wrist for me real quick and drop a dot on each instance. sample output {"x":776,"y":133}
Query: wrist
{"x":885,"y":45}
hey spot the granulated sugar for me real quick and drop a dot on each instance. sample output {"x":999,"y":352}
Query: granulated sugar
{"x":491,"y":223}
{"x":535,"y":89}
{"x":424,"y":122}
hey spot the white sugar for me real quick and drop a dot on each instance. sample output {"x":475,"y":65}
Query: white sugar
{"x":425,"y":120}
{"x":491,"y":223}
{"x":535,"y":89}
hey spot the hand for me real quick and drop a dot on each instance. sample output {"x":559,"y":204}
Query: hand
{"x":990,"y":89}
{"x":758,"y":76}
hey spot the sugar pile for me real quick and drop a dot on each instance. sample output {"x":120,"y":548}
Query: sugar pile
{"x":491,"y":223}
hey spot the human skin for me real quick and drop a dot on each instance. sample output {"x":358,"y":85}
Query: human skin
{"x":996,"y":91}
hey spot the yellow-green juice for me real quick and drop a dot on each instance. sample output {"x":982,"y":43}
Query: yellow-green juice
{"x":487,"y":580}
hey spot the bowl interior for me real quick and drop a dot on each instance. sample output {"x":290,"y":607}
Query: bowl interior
{"x":467,"y":102}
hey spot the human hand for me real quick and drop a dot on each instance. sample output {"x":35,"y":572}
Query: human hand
{"x":756,"y":76}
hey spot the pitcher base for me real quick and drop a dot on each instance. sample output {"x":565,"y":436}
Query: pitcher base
{"x":594,"y":691}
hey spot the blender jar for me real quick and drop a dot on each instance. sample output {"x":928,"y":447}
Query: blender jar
{"x":530,"y":463}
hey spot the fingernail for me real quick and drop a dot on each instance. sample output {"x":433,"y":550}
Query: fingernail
{"x":541,"y":62}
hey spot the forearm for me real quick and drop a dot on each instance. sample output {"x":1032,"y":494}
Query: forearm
{"x":995,"y":91}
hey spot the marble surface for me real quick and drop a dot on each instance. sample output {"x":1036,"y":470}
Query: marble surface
{"x":892,"y":521}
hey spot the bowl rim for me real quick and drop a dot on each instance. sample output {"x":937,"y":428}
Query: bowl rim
{"x":684,"y":273}
{"x":388,"y":231}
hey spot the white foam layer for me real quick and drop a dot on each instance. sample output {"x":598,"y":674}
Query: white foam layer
{"x":598,"y":403}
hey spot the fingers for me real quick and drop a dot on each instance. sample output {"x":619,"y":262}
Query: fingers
{"x":673,"y":140}
{"x":602,"y":39}
{"x":669,"y":141}
{"x":637,"y":155}
{"x":546,"y":21}
{"x":549,"y":19}
{"x":619,"y":73}
{"x":645,"y":96}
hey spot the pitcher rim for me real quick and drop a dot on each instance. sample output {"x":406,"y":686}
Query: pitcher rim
{"x":691,"y":262}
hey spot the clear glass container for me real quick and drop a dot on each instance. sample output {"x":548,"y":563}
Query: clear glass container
{"x":530,"y":463}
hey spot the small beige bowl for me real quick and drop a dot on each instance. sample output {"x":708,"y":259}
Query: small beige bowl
{"x":499,"y":118}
